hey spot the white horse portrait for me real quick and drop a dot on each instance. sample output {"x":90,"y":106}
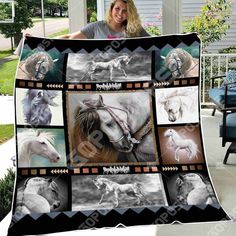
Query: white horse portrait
{"x":36,"y":66}
{"x":36,"y":143}
{"x":122,"y":122}
{"x":192,"y":189}
{"x":177,"y":142}
{"x":38,"y":195}
{"x":177,"y":105}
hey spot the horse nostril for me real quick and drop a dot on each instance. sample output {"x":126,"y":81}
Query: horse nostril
{"x":58,"y":158}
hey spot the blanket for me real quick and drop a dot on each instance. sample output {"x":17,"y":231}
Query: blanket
{"x":108,"y":133}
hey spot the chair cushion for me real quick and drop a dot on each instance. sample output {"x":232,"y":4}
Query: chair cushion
{"x":217,"y":96}
{"x":230,"y":126}
{"x":230,"y":78}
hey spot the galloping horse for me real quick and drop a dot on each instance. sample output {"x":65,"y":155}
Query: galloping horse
{"x":32,"y":142}
{"x":118,"y":63}
{"x":177,"y":143}
{"x":192,"y":190}
{"x":38,"y":195}
{"x":107,"y":186}
{"x":181,"y":64}
{"x":120,"y":122}
{"x":36,"y":106}
{"x":36,"y":66}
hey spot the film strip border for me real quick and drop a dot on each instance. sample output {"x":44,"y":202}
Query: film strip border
{"x":107,"y":86}
{"x":110,"y":170}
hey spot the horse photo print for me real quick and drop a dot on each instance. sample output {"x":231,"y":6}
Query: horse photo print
{"x":117,"y":191}
{"x":39,"y":107}
{"x":41,"y":148}
{"x":177,"y":63}
{"x":181,"y":145}
{"x":100,"y":128}
{"x":108,"y":67}
{"x":38,"y":65}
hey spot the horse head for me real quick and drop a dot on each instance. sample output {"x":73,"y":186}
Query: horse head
{"x":110,"y":123}
{"x":169,"y":133}
{"x":41,"y":145}
{"x":99,"y":183}
{"x":178,"y":61}
{"x":44,"y":187}
{"x":173,"y":106}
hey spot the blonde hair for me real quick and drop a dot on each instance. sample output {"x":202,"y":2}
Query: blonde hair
{"x":132,"y":26}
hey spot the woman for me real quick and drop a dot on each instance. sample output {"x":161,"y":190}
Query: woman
{"x":122,"y":21}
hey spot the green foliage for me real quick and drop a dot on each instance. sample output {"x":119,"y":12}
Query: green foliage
{"x":5,"y":11}
{"x":6,"y":132}
{"x":6,"y":191}
{"x":93,"y":17}
{"x":22,"y":20}
{"x":211,"y":24}
{"x":7,"y":71}
{"x":152,"y":29}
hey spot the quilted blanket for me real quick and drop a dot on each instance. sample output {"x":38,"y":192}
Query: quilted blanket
{"x":108,"y":133}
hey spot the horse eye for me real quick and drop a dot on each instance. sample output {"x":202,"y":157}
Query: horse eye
{"x":43,"y":143}
{"x":110,"y":124}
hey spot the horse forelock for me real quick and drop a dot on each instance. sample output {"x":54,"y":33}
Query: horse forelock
{"x":33,"y":59}
{"x":87,"y":121}
{"x":32,"y":134}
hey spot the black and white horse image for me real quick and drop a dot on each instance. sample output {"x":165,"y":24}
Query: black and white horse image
{"x":118,"y":63}
{"x":192,"y":189}
{"x":36,"y":106}
{"x":107,"y":186}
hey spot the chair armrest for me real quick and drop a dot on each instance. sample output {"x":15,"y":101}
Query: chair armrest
{"x":213,"y":78}
{"x":233,"y":109}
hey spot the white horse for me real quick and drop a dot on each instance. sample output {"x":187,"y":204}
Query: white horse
{"x":124,"y":119}
{"x":108,"y":186}
{"x":177,"y":143}
{"x":38,"y":195}
{"x":180,"y":104}
{"x":192,"y":190}
{"x":32,"y":142}
{"x":118,"y":63}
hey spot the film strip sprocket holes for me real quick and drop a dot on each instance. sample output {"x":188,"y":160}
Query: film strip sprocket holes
{"x":110,"y":170}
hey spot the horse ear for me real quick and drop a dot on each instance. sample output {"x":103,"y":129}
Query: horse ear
{"x":100,"y":99}
{"x":26,"y":182}
{"x":55,"y":60}
{"x":37,"y":133}
{"x":163,"y":58}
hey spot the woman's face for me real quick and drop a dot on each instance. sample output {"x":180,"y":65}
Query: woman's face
{"x":119,"y":12}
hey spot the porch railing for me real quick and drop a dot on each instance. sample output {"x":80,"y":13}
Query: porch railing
{"x":212,"y":65}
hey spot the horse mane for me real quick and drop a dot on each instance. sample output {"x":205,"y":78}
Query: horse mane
{"x":85,"y":123}
{"x":183,"y":55}
{"x":31,"y":133}
{"x":33,"y":59}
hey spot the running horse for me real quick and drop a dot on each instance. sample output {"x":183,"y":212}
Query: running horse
{"x":107,"y":187}
{"x":120,"y":123}
{"x":117,"y":63}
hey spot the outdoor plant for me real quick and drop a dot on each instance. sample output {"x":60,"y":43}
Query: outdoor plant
{"x":152,"y":29}
{"x":6,"y":192}
{"x":211,"y":24}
